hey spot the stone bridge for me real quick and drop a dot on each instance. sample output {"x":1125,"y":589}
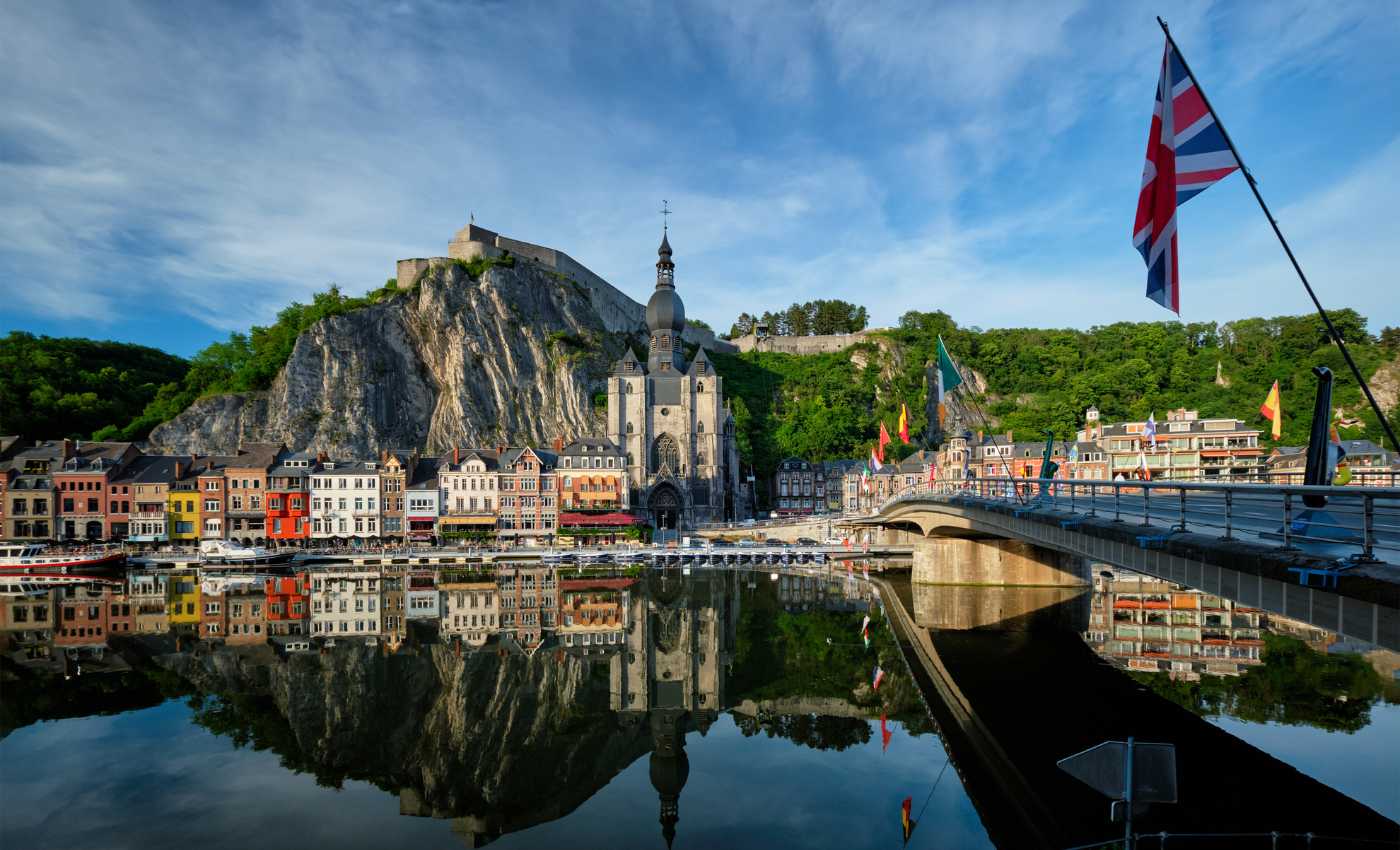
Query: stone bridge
{"x":960,"y":539}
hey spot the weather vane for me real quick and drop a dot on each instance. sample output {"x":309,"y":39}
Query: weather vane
{"x":665,"y":211}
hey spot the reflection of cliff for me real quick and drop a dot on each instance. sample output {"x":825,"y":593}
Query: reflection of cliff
{"x":498,"y":740}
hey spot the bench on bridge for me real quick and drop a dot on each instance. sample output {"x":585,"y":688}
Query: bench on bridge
{"x":1329,"y":574}
{"x":1152,"y":541}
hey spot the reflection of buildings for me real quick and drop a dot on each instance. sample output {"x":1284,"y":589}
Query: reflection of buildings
{"x":808,"y":593}
{"x":593,"y":613}
{"x":680,"y":642}
{"x":1147,"y":624}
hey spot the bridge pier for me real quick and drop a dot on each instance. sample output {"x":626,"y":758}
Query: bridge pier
{"x":995,"y":561}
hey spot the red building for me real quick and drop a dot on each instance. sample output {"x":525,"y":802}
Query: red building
{"x":289,"y":500}
{"x":287,"y":604}
{"x":83,"y":486}
{"x":82,"y":615}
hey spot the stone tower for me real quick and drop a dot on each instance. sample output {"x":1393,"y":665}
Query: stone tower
{"x":665,"y":316}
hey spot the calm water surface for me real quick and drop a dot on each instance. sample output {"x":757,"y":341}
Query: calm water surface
{"x":736,"y":712}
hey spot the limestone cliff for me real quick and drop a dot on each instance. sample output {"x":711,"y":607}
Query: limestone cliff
{"x":515,"y":356}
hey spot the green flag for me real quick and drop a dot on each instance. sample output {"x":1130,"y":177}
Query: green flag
{"x":947,"y":370}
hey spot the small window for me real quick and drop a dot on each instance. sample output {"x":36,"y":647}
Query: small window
{"x":700,"y":387}
{"x":629,"y":427}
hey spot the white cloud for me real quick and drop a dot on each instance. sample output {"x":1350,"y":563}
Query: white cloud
{"x":961,"y":156}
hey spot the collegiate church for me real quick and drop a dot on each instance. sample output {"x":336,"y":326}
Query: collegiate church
{"x":671,"y":420}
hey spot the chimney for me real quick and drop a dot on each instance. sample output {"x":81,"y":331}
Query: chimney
{"x":320,"y":457}
{"x":67,"y":448}
{"x":558,"y":444}
{"x":456,"y":456}
{"x":979,"y":436}
{"x":501,"y":448}
{"x":1010,"y":436}
{"x":179,"y":469}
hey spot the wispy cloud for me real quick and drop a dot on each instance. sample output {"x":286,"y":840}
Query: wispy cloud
{"x":975,"y":158}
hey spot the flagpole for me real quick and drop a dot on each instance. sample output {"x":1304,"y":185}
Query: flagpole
{"x":1254,"y":187}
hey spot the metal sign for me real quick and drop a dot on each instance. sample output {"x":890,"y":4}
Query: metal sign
{"x":1105,"y":769}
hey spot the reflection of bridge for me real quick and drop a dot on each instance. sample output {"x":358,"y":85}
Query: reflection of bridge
{"x":1254,"y":544}
{"x":984,"y":655}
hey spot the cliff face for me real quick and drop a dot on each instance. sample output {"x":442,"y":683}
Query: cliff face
{"x":514,"y":357}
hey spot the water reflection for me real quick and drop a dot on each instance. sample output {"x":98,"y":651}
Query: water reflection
{"x":525,"y":726}
{"x":1216,"y":657}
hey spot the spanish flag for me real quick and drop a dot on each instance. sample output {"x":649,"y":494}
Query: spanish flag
{"x":903,"y":423}
{"x":906,"y":816}
{"x":1272,"y":408}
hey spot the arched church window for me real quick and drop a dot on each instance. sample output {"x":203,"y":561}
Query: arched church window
{"x":665,"y":342}
{"x":700,"y":426}
{"x":629,"y":458}
{"x":665,"y":454}
{"x":700,"y":387}
{"x":629,"y":427}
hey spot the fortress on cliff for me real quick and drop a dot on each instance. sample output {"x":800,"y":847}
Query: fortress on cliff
{"x":620,"y":314}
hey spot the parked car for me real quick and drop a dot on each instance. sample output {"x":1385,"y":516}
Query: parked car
{"x":806,"y":541}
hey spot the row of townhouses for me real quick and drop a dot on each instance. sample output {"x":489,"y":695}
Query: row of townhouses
{"x":527,"y":605}
{"x":265,"y":494}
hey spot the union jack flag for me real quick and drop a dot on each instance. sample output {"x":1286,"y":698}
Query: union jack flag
{"x":1186,"y":154}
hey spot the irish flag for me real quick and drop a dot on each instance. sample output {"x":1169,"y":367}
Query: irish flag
{"x":1272,"y":408}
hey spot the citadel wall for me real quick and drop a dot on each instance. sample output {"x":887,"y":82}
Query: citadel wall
{"x":801,"y":344}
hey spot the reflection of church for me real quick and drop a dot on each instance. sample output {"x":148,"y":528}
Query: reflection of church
{"x":680,"y":643}
{"x":672,"y":421}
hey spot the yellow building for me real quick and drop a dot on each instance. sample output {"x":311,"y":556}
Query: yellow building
{"x":182,"y":600}
{"x":183,"y":522}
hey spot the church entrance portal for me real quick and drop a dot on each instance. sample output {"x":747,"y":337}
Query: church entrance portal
{"x":665,"y":507}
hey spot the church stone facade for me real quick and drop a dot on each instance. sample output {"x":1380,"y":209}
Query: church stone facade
{"x":671,"y":420}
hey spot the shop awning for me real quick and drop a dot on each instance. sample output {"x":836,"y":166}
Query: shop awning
{"x":468,"y":520}
{"x":617,"y":519}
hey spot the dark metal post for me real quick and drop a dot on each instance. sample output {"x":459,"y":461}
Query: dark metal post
{"x":1254,"y":187}
{"x":1229,"y":516}
{"x":1146,"y":503}
{"x":1128,"y":793}
{"x":1117,"y":502}
{"x":1287,"y":519}
{"x":1368,"y":527}
{"x":1182,"y":526}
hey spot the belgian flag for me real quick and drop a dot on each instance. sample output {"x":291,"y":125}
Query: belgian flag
{"x":906,"y":816}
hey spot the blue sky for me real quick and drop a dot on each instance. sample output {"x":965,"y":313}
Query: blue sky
{"x":170,"y":171}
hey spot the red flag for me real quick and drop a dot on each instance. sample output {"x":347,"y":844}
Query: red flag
{"x":885,"y":733}
{"x":884,"y":441}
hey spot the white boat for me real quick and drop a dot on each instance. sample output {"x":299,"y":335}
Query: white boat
{"x":224,"y":552}
{"x":26,"y":558}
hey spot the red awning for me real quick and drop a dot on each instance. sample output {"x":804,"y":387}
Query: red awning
{"x":597,"y":520}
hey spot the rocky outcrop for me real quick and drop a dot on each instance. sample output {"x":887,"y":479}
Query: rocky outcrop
{"x":515,"y":356}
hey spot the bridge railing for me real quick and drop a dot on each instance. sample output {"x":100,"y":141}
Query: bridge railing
{"x":1360,"y":523}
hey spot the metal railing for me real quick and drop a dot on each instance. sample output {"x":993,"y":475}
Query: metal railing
{"x":1358,"y":523}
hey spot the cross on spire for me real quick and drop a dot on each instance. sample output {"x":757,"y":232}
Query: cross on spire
{"x":665,"y":211}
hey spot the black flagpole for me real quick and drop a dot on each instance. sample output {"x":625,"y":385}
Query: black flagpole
{"x":1327,"y":320}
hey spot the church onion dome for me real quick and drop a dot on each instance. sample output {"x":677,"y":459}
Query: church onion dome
{"x":665,"y":249}
{"x":665,"y":311}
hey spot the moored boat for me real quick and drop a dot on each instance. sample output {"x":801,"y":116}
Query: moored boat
{"x":226,"y":553}
{"x":27,"y":558}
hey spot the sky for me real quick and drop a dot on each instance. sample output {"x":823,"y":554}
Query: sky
{"x":171,"y":172}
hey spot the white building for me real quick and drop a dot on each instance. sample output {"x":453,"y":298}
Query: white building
{"x":345,"y":602}
{"x":422,"y":601}
{"x":470,"y":610}
{"x":345,"y":500}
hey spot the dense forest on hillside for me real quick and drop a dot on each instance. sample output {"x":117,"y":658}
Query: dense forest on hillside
{"x":71,"y":387}
{"x":829,"y":406}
